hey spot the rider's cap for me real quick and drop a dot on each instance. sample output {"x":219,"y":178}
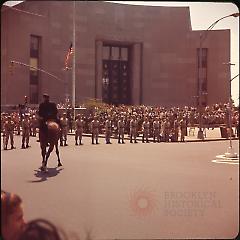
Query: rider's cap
{"x":45,"y":95}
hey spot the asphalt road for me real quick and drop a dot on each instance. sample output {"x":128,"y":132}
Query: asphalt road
{"x":131,"y":191}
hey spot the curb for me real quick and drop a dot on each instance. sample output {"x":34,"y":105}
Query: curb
{"x":189,"y":140}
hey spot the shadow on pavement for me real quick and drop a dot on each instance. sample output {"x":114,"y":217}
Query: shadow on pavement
{"x":51,"y":172}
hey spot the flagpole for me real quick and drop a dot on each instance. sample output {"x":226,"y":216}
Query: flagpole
{"x":73,"y":68}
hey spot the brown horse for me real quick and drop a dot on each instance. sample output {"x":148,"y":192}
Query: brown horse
{"x":50,"y":137}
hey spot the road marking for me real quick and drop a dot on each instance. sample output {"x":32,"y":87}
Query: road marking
{"x":223,"y":159}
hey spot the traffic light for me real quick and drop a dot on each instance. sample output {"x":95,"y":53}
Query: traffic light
{"x":11,"y":67}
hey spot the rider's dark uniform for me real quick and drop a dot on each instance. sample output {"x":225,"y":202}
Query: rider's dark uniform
{"x":47,"y":111}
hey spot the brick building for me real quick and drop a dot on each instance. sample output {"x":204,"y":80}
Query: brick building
{"x":124,"y":54}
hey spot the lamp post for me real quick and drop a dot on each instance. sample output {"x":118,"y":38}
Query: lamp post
{"x":200,"y":93}
{"x":230,"y":106}
{"x":230,"y":155}
{"x":230,"y":151}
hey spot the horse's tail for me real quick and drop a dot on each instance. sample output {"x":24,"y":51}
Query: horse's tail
{"x":53,"y":131}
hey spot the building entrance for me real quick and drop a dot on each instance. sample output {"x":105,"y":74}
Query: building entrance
{"x":116,"y":84}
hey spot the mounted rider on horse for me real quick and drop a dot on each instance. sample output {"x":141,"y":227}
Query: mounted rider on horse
{"x":47,"y":111}
{"x":49,"y":129}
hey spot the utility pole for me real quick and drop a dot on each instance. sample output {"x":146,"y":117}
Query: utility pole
{"x":74,"y":60}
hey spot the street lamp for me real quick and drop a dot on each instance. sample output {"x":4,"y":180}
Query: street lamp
{"x":230,"y":155}
{"x":22,"y":11}
{"x":202,"y":38}
{"x":230,"y":152}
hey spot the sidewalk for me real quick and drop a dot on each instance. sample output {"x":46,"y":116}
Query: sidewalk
{"x":209,"y":135}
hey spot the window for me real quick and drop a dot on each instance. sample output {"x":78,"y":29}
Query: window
{"x":34,"y":46}
{"x":124,"y":54}
{"x":106,"y":52}
{"x":204,"y":86}
{"x":34,"y":63}
{"x":202,"y":73}
{"x":115,"y":53}
{"x":204,"y":57}
{"x":33,"y":80}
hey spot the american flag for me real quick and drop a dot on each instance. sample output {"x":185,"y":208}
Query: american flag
{"x":70,"y":52}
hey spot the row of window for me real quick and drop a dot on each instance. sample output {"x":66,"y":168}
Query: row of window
{"x":202,"y":73}
{"x":109,"y":53}
{"x":34,"y":63}
{"x":115,"y":53}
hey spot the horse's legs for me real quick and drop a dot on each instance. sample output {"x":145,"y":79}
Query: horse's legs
{"x":43,"y":148}
{"x":48,"y":153}
{"x":57,"y":152}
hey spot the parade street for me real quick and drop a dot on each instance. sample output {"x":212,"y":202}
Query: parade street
{"x":129,"y":191}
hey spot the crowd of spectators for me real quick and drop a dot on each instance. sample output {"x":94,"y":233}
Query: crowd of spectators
{"x":212,"y":116}
{"x":217,"y":115}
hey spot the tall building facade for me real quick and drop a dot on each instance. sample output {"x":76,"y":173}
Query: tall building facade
{"x":125,"y":54}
